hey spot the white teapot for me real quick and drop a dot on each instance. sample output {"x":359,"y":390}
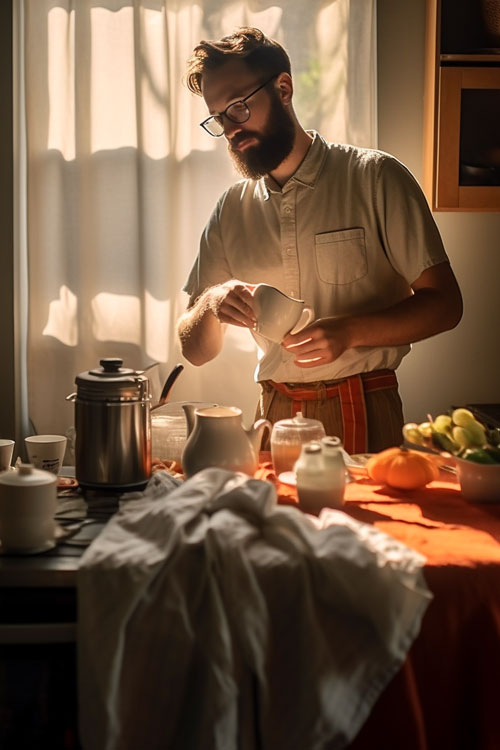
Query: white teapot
{"x":217,"y":437}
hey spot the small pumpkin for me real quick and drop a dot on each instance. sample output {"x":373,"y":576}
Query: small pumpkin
{"x":402,"y":469}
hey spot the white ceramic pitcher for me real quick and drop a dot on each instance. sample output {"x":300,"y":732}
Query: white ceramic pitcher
{"x":217,"y":437}
{"x":278,"y":314}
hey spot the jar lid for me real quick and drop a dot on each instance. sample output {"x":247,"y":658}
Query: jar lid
{"x":300,"y":425}
{"x":25,"y":475}
{"x":111,"y":367}
{"x":331,"y":444}
{"x":112,"y":382}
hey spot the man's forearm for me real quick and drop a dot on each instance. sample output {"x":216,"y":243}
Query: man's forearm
{"x":418,"y":317}
{"x":201,"y":328}
{"x":200,"y":332}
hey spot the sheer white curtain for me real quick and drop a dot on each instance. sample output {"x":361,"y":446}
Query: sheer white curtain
{"x":116,"y":178}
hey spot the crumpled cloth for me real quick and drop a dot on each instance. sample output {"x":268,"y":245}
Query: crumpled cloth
{"x":212,"y":619}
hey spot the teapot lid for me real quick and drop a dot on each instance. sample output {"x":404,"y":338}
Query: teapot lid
{"x":25,"y":475}
{"x":300,"y":424}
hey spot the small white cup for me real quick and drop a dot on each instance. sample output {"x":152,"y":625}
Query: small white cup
{"x":278,"y":314}
{"x":6,"y":451}
{"x":46,"y":451}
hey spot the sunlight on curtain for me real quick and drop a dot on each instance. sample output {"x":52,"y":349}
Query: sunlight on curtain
{"x":121,"y":178}
{"x":60,"y":80}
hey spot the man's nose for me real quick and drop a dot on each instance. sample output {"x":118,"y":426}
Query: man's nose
{"x":230,"y":127}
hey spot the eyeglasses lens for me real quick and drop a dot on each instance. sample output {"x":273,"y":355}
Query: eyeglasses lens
{"x":214,"y":126}
{"x":238,"y":112}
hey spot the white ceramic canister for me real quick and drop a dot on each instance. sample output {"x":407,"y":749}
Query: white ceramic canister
{"x":334,"y":468}
{"x":28,"y":498}
{"x":287,"y":438}
{"x":320,"y":475}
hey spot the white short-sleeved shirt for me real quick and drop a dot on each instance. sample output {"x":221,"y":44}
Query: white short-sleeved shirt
{"x":348,"y":233}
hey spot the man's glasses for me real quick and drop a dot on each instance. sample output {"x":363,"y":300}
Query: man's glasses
{"x":236,"y":112}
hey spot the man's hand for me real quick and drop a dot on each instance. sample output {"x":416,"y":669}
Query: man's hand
{"x":231,"y":303}
{"x":434,"y":305}
{"x":320,"y":343}
{"x":201,"y":327}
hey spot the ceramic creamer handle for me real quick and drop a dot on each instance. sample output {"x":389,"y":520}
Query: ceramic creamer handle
{"x":306,"y":317}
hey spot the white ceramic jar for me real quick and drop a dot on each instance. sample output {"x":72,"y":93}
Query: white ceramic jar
{"x":28,"y":498}
{"x":320,"y":475}
{"x":334,"y":468}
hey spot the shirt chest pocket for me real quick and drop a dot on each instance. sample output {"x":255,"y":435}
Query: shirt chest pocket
{"x":341,"y":256}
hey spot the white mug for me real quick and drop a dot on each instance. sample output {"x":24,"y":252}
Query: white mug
{"x":6,"y":451}
{"x":28,"y":499}
{"x":278,"y":314}
{"x":46,"y":451}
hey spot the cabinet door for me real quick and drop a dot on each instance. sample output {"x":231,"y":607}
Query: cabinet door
{"x":468,"y":162}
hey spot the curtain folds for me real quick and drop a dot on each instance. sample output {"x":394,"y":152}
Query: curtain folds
{"x":116,"y":178}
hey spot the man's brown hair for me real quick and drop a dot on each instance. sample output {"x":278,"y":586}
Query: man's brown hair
{"x":259,"y":52}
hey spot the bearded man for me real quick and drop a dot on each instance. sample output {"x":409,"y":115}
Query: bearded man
{"x":346,"y":229}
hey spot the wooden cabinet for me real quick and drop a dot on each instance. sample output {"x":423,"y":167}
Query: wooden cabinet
{"x":462,"y":107}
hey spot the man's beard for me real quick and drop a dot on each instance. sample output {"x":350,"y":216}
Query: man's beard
{"x":273,"y":146}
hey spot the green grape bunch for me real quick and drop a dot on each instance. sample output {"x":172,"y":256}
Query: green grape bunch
{"x":459,"y":434}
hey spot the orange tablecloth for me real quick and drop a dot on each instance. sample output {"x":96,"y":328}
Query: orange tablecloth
{"x":447,"y":695}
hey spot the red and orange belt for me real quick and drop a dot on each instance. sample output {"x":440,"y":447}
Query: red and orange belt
{"x":351,"y":392}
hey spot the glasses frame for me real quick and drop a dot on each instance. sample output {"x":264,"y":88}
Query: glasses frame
{"x":219,"y":115}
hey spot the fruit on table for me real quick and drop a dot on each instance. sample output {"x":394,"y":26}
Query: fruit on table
{"x":413,"y":434}
{"x":442,"y":424}
{"x":454,"y":433}
{"x":425,"y":429}
{"x":483,"y":455}
{"x":466,"y":437}
{"x":471,"y":431}
{"x":462,"y":417}
{"x":402,"y":469}
{"x":444,"y":442}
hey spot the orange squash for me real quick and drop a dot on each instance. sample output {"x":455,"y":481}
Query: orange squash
{"x":402,"y":469}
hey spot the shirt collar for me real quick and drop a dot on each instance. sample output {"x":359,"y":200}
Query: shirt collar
{"x":306,"y":173}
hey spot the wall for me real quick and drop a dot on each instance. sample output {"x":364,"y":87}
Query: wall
{"x":459,"y":366}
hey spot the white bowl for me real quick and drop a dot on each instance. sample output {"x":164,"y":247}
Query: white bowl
{"x":479,"y":482}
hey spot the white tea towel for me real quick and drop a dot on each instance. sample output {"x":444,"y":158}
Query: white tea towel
{"x":212,"y":619}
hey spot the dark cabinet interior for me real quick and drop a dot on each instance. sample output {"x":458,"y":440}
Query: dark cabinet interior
{"x":468,"y":27}
{"x":462,"y":105}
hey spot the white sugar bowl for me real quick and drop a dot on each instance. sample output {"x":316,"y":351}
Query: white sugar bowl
{"x":28,"y":499}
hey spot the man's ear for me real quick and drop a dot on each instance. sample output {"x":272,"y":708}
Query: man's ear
{"x":284,"y":86}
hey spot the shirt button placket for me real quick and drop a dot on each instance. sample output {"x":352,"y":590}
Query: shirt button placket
{"x":289,"y":243}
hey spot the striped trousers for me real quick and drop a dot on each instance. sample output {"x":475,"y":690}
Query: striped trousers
{"x":364,"y":410}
